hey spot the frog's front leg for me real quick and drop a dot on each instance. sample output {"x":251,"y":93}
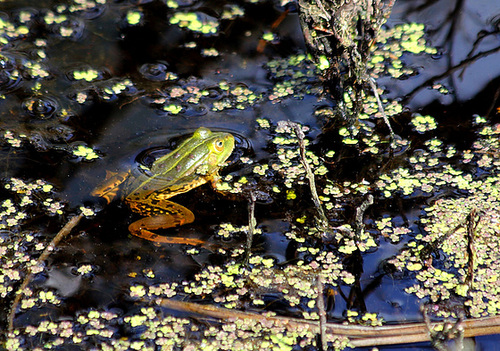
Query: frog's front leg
{"x":215,"y":182}
{"x":165,"y":214}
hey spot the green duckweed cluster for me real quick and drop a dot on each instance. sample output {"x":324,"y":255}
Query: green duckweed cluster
{"x":242,"y":285}
{"x":232,"y":11}
{"x":44,"y":121}
{"x":446,"y":223}
{"x":294,"y":76}
{"x":196,"y":22}
{"x":27,"y":195}
{"x":387,"y":61}
{"x":193,"y":94}
{"x":151,"y":330}
{"x":392,"y":44}
{"x":21,"y":242}
{"x":10,"y":30}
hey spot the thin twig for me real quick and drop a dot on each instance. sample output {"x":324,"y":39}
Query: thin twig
{"x":45,"y":254}
{"x":322,"y":313}
{"x":493,"y":103}
{"x":323,"y":221}
{"x":360,"y":212}
{"x":373,"y":85}
{"x":327,"y":16}
{"x":252,"y":223}
{"x":472,"y":221}
{"x":451,"y":70}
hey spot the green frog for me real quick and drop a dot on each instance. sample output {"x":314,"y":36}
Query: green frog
{"x":146,"y":190}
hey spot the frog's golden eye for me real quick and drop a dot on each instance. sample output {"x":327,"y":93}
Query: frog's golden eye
{"x":219,"y":145}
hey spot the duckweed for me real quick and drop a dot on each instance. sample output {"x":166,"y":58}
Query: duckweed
{"x":88,"y":75}
{"x":390,"y":46}
{"x":424,"y":123}
{"x":85,"y":152}
{"x":196,"y":22}
{"x":134,"y":17}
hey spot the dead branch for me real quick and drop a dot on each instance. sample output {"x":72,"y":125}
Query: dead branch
{"x":73,"y":222}
{"x":360,"y":336}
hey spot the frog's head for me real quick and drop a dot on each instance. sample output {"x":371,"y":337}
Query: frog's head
{"x":220,"y":146}
{"x":212,"y":150}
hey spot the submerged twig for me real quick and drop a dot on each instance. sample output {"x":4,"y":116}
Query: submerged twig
{"x":45,"y":254}
{"x":469,"y":224}
{"x":262,"y":43}
{"x":426,"y":251}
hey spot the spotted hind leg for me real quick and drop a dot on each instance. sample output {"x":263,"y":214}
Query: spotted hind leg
{"x":168,"y":215}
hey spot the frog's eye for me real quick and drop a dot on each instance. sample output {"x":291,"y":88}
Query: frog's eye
{"x":219,"y":145}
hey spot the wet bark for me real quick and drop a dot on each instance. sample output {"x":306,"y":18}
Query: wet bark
{"x":342,"y":32}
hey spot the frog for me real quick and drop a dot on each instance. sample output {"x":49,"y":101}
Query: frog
{"x":147,"y":190}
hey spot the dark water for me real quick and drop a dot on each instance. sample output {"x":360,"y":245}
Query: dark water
{"x":122,"y":113}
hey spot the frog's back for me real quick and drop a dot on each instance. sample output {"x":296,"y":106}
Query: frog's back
{"x":142,"y":185}
{"x":188,"y":166}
